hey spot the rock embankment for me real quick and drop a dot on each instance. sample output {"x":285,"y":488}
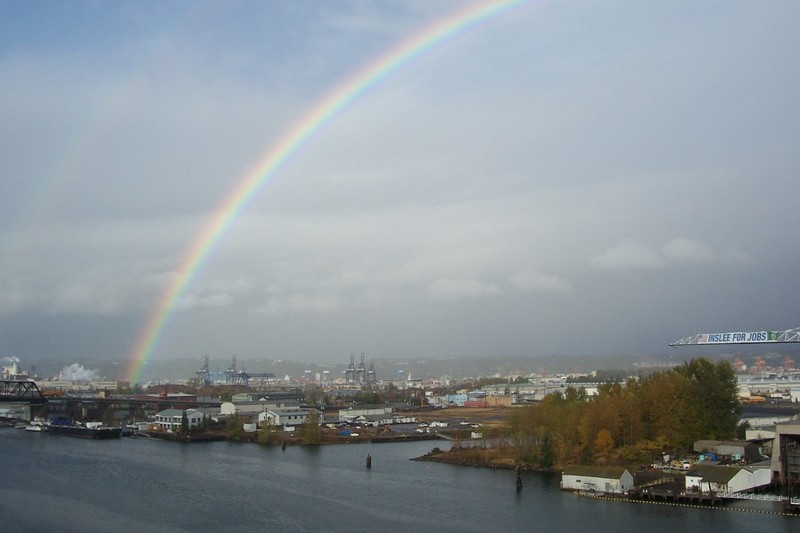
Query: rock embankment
{"x":484,"y":458}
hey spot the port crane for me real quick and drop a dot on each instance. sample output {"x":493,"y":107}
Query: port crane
{"x":741,"y":337}
{"x":786,"y":445}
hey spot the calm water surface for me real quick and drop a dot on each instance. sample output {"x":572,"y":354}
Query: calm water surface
{"x":54,"y":483}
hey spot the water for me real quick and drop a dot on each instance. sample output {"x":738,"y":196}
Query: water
{"x":52,"y":483}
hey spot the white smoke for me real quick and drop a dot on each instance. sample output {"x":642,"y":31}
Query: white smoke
{"x":11,"y":359}
{"x":76,"y":372}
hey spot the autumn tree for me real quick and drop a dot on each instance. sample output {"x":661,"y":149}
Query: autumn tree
{"x":665,"y":410}
{"x":603,"y":444}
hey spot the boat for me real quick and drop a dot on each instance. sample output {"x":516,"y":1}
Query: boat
{"x":88,"y":430}
{"x":36,"y":425}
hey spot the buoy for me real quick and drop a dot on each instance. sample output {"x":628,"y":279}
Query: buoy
{"x":369,"y":461}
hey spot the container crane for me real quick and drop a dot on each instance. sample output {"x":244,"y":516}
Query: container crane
{"x":741,"y":337}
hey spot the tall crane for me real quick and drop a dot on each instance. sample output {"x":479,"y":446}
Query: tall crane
{"x":203,"y":375}
{"x":741,"y":337}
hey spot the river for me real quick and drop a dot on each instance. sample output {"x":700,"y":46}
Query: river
{"x":54,"y":483}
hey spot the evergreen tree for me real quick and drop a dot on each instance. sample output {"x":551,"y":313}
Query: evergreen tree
{"x":312,"y":434}
{"x":713,"y":396}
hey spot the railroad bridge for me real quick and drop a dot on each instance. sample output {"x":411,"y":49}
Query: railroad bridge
{"x":21,"y":391}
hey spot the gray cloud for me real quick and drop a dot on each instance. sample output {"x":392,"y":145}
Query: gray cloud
{"x":531,"y":280}
{"x":627,"y":255}
{"x":630,"y":167}
{"x":685,"y":250}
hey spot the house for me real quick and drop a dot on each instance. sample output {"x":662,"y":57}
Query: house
{"x":366,"y":411}
{"x":718,"y":478}
{"x":251,"y":409}
{"x":286,"y":417}
{"x":171,"y":419}
{"x":606,"y":479}
{"x":456,"y":400}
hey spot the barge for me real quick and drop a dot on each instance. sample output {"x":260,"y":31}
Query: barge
{"x":89,"y":430}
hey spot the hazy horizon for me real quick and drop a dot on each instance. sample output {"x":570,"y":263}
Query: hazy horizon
{"x":182,"y":369}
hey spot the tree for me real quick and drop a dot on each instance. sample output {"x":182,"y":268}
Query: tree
{"x":603,"y":444}
{"x":184,"y":423}
{"x":713,"y":393}
{"x":312,"y":434}
{"x":267,"y":434}
{"x":546,"y":459}
{"x":635,"y":421}
{"x":741,"y":430}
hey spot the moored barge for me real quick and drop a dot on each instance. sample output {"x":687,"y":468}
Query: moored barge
{"x":89,"y":430}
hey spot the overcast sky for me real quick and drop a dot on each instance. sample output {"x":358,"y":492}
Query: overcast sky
{"x":566,"y":178}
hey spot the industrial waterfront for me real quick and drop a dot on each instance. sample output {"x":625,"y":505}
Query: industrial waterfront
{"x":76,"y":485}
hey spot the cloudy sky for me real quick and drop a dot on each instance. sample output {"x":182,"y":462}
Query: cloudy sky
{"x":564,"y":178}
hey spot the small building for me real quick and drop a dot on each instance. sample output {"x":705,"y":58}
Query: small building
{"x":270,"y":396}
{"x":435,"y":401}
{"x":354,"y":413}
{"x":456,"y":400}
{"x":251,"y":409}
{"x":605,"y":479}
{"x":719,"y":478}
{"x":730,"y":448}
{"x":396,"y":419}
{"x":171,"y":397}
{"x":171,"y":419}
{"x":285,"y":417}
{"x":794,"y":394}
{"x":77,"y":386}
{"x":760,"y":433}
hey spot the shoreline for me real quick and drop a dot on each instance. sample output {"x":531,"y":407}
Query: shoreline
{"x":438,"y":455}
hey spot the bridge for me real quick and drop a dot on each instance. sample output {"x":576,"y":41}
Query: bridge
{"x":21,"y":391}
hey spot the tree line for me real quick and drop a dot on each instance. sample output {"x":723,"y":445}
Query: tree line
{"x":631,"y":422}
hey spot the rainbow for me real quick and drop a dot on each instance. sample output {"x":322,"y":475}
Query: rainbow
{"x":278,"y":154}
